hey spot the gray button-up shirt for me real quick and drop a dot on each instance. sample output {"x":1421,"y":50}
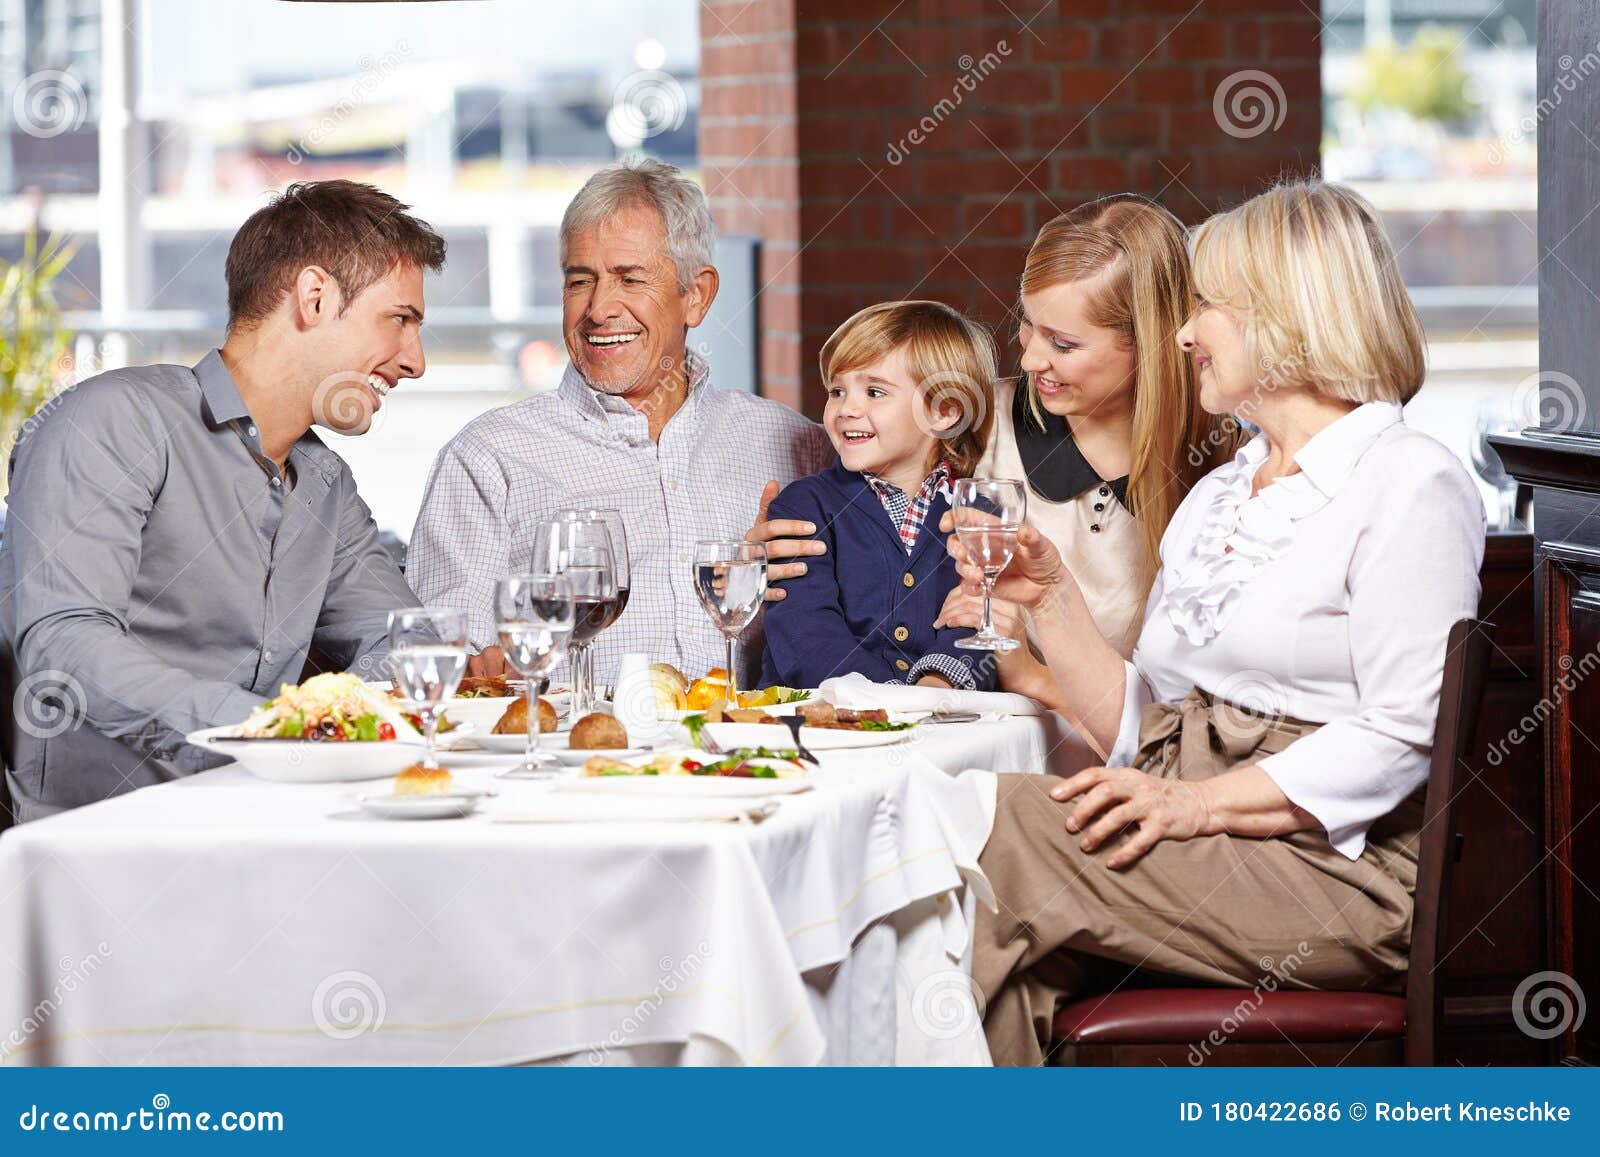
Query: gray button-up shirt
{"x":159,"y":575}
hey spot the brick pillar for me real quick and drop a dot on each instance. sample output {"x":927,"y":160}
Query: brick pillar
{"x":884,"y":150}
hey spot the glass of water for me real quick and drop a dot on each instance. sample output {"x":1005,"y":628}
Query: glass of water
{"x":988,"y":515}
{"x":534,"y":615}
{"x":428,"y":656}
{"x":730,"y":576}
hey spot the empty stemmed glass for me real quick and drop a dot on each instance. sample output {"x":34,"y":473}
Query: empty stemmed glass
{"x":428,"y":656}
{"x":533,"y":617}
{"x":580,"y":548}
{"x":612,"y":517}
{"x":988,"y":515}
{"x":730,"y":576}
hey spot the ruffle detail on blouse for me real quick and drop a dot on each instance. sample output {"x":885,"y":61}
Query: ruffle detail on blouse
{"x":1257,"y":529}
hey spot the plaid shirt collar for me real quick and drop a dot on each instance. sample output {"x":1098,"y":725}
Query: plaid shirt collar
{"x":909,"y":513}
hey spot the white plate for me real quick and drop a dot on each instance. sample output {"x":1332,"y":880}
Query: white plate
{"x":422,"y":807}
{"x":686,"y":786}
{"x":300,"y":761}
{"x":773,"y":735}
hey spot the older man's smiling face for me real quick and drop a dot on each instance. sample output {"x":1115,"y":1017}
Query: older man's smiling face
{"x":624,"y":315}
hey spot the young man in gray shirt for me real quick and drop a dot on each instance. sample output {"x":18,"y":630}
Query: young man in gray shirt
{"x":178,"y":538}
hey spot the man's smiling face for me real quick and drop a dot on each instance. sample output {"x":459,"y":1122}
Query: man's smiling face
{"x":623,"y":313}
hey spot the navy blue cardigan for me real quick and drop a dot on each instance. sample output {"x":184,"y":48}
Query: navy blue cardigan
{"x":866,"y":605}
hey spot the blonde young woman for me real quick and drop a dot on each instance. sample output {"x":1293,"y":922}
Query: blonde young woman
{"x":1105,"y":423}
{"x":1269,"y":739}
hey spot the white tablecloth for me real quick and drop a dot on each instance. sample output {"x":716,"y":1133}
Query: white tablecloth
{"x":222,"y":919}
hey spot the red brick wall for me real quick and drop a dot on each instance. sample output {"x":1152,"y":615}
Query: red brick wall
{"x":811,"y":110}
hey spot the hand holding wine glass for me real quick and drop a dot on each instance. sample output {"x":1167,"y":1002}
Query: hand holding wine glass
{"x":988,"y":515}
{"x":730,"y":577}
{"x":428,"y":655}
{"x":534,"y":616}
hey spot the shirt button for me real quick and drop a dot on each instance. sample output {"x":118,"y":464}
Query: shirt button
{"x":1094,"y":528}
{"x":266,"y":656}
{"x":682,"y":557}
{"x":674,"y":487}
{"x":902,"y":665}
{"x":252,"y":431}
{"x":277,"y":481}
{"x":901,"y":634}
{"x":908,"y":580}
{"x":1104,"y":490}
{"x":1099,"y":506}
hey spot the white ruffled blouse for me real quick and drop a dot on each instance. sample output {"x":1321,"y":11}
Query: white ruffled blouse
{"x":1326,"y":597}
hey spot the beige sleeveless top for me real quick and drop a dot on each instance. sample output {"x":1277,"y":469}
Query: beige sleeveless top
{"x":1097,"y":537}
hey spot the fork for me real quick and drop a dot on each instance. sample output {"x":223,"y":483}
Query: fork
{"x":794,"y":723}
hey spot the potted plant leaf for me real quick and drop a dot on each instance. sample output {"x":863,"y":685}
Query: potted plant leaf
{"x":35,"y":348}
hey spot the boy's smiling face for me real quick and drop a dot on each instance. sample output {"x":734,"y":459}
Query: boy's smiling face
{"x":879,"y":422}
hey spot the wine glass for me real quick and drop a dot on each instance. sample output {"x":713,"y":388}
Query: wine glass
{"x":612,"y":517}
{"x":730,"y":576}
{"x":988,"y":514}
{"x":428,"y":655}
{"x":556,"y":545}
{"x":533,"y":615}
{"x":1494,"y":416}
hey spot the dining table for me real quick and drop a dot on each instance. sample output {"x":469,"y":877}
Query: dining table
{"x":226,"y":919}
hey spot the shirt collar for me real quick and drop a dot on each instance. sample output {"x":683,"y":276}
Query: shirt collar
{"x":575,"y":388}
{"x":937,"y":481}
{"x":221,"y":396}
{"x":1332,"y":453}
{"x":1056,"y":468}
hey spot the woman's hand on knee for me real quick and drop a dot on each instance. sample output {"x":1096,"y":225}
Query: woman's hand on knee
{"x":1117,"y":798}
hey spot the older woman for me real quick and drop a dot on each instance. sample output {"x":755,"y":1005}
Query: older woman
{"x":1270,"y":736}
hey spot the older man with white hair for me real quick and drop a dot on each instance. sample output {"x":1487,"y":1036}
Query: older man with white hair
{"x":635,"y":424}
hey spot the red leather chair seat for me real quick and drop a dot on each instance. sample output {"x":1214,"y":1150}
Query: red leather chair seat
{"x":1242,"y":1015}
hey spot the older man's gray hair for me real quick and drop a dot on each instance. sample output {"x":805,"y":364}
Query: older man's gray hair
{"x":691,"y":234}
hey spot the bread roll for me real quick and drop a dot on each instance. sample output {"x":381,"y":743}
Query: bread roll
{"x":515,"y":719}
{"x":419,"y":780}
{"x":598,"y":732}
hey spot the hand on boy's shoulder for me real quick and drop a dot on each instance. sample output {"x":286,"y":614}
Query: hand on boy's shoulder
{"x":787,"y":533}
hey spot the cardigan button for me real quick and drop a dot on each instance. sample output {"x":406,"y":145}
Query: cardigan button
{"x":908,"y":579}
{"x":901,"y":634}
{"x":901,"y":665}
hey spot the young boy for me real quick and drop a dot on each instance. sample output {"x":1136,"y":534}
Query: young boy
{"x":910,"y":402}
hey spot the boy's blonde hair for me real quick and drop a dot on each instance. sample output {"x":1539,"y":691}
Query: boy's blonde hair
{"x":1308,"y":270}
{"x":950,"y":357}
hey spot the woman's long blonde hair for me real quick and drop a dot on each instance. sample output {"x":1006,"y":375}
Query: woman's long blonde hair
{"x":1136,"y":256}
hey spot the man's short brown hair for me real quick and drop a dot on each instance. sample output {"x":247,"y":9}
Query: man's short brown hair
{"x":356,"y":232}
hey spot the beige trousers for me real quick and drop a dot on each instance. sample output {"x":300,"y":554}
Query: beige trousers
{"x":1286,"y":912}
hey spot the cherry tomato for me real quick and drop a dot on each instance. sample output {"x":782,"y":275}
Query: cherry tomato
{"x":386,"y":731}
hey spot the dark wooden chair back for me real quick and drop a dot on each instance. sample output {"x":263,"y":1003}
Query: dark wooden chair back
{"x":1460,"y":695}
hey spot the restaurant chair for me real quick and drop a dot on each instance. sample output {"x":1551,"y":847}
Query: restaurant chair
{"x":1175,"y":1026}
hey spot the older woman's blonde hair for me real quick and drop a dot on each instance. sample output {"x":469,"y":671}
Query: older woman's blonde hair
{"x":1307,"y":269}
{"x":950,"y":357}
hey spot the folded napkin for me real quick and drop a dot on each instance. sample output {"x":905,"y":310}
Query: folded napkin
{"x":857,"y":691}
{"x":561,"y":808}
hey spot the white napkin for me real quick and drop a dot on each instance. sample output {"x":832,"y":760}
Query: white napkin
{"x":560,"y":808}
{"x":857,"y":691}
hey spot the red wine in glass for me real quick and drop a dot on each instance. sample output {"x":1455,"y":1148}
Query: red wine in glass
{"x":591,"y":615}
